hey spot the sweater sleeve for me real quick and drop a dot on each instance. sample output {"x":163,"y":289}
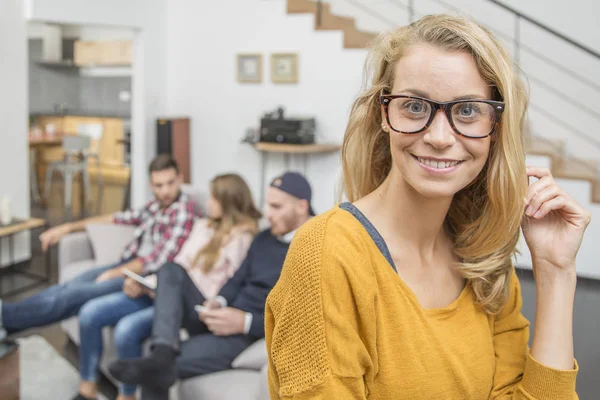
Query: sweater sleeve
{"x":518,"y":375}
{"x":320,"y":324}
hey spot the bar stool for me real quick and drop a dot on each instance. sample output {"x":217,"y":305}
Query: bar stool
{"x":78,"y":151}
{"x":74,"y":162}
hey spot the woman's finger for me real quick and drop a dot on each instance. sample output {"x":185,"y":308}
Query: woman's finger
{"x":556,"y":203}
{"x":545,"y":194}
{"x":537,"y":187}
{"x":538,"y":172}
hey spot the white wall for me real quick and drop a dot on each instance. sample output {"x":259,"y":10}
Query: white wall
{"x":13,"y":117}
{"x":577,"y":19}
{"x":202,"y":43}
{"x":148,"y":82}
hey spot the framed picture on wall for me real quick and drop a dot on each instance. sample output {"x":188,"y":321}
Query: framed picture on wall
{"x":249,"y":68}
{"x":284,"y":68}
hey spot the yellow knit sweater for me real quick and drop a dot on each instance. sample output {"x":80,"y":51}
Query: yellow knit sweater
{"x":341,"y":324}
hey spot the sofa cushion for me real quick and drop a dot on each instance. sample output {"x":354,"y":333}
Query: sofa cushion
{"x":254,"y":357}
{"x":70,"y":271}
{"x":263,"y":387}
{"x":225,"y":385}
{"x":109,"y":241}
{"x":74,"y":247}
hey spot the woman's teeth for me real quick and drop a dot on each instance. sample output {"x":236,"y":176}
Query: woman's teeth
{"x":437,"y":164}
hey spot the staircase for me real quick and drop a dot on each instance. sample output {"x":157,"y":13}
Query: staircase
{"x":562,"y":164}
{"x":325,"y":20}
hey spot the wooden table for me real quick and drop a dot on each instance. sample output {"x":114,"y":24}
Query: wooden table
{"x":7,"y":232}
{"x":288,"y":150}
{"x":45,"y":141}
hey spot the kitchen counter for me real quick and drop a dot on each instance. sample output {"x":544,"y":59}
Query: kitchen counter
{"x":82,"y":113}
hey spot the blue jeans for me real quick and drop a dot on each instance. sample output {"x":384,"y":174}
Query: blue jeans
{"x":58,"y":302}
{"x":133,"y":320}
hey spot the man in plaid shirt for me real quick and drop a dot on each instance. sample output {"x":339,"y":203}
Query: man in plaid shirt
{"x":162,"y":226}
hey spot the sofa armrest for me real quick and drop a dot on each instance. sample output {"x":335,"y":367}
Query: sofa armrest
{"x":254,"y":357}
{"x":74,"y":247}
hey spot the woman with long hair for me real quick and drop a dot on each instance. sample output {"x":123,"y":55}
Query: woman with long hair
{"x":212,"y":254}
{"x":408,"y":290}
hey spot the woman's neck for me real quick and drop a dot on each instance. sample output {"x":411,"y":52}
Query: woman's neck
{"x":401,"y":213}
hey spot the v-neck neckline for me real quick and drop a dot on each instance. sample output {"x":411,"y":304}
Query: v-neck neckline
{"x":372,"y":231}
{"x":385,"y":252}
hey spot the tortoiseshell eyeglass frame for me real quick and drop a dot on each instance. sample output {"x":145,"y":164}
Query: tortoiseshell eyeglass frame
{"x":386,"y":99}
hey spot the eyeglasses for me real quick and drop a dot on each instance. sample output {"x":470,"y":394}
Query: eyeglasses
{"x":471,"y":118}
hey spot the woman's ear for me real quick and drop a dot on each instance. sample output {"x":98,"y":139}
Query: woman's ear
{"x":384,"y":124}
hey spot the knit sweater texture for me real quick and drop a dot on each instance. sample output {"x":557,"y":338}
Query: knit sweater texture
{"x":342,"y":324}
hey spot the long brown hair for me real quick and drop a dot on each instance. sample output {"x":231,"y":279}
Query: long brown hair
{"x":238,"y":212}
{"x":484,"y":218}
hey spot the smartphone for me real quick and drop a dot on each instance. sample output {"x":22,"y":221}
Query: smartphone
{"x":200,"y":308}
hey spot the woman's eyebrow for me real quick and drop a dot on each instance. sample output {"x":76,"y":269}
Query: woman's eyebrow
{"x":421,"y":93}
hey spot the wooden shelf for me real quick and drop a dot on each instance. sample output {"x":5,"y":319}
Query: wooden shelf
{"x":297,"y":148}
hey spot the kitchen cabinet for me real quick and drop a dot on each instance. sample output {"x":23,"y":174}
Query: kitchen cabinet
{"x":88,"y":53}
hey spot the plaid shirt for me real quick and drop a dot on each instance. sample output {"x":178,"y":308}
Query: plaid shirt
{"x":169,"y":228}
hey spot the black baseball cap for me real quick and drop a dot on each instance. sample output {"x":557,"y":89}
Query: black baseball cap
{"x":295,"y":184}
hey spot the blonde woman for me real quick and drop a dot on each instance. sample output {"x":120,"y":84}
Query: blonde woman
{"x":408,"y":291}
{"x":211,"y":255}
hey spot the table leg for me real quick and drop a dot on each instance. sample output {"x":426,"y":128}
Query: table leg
{"x":35,"y":190}
{"x":127,"y":196}
{"x":10,"y":249}
{"x":85,"y":193}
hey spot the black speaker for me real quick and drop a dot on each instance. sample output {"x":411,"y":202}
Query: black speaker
{"x":164,"y":130}
{"x":173,"y":137}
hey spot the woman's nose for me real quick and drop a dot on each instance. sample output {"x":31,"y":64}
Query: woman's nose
{"x":440,"y":133}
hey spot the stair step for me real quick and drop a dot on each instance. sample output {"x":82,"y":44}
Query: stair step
{"x":330,"y":21}
{"x":576,"y":169}
{"x":355,"y":39}
{"x":301,"y":6}
{"x":544,"y":147}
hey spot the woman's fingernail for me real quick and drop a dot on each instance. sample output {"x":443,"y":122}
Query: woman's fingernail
{"x":529,"y":211}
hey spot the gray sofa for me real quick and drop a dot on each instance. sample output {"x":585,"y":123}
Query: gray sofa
{"x":247,"y":380}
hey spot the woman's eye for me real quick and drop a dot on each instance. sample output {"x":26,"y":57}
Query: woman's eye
{"x":468,"y":110}
{"x":416,"y":107}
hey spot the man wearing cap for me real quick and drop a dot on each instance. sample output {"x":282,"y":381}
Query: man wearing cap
{"x":233,"y":320}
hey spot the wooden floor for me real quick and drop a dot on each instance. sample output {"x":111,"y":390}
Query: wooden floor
{"x":53,"y":333}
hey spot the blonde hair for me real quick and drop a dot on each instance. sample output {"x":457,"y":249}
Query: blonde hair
{"x":484,"y":218}
{"x":238,"y":212}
